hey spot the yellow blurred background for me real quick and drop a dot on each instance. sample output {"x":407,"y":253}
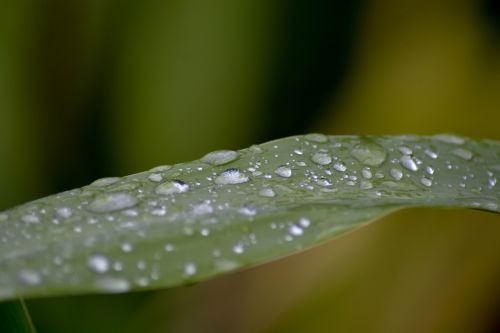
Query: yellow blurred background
{"x":105,"y":87}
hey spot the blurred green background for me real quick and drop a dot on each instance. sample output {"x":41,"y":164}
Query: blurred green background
{"x":94,"y":88}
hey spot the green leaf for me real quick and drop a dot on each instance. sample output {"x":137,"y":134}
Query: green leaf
{"x":184,"y":223}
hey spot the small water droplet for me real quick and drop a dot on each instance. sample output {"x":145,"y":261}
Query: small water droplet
{"x":492,"y":181}
{"x":451,"y":139}
{"x":64,"y":212}
{"x":405,"y":150}
{"x":110,"y":202}
{"x":98,"y":263}
{"x":429,"y":170}
{"x":304,"y":222}
{"x":112,"y":284}
{"x":190,"y":269}
{"x":29,"y":277}
{"x":339,"y":166}
{"x":396,"y":173}
{"x":220,"y":157}
{"x":316,"y":137}
{"x":105,"y":181}
{"x":126,"y":247}
{"x":321,"y":158}
{"x":231,"y":176}
{"x":238,"y":248}
{"x":247,"y":210}
{"x":161,"y":168}
{"x":171,"y":187}
{"x":366,"y":173}
{"x":430,"y":153}
{"x":30,"y":218}
{"x":202,"y":208}
{"x":365,"y":185}
{"x":408,"y":162}
{"x":169,"y":247}
{"x":283,"y":171}
{"x":267,"y":192}
{"x":295,"y":230}
{"x":369,"y":153}
{"x":426,"y":181}
{"x":463,"y":153}
{"x":155,"y":177}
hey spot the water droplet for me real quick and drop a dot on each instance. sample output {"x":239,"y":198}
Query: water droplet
{"x":463,"y":153}
{"x":112,"y":284}
{"x":202,"y":208}
{"x":238,"y":248}
{"x":295,"y":230}
{"x":161,"y":168}
{"x":105,"y":181}
{"x":98,"y":263}
{"x":429,"y":170}
{"x":127,"y":247}
{"x":321,"y":158}
{"x":339,"y":166}
{"x":155,"y":177}
{"x":3,"y":217}
{"x":30,"y":218}
{"x":366,"y":173}
{"x":426,"y":181}
{"x":396,"y":173}
{"x":492,"y":181}
{"x":322,"y":181}
{"x":64,"y":212}
{"x":405,"y":150}
{"x":247,"y":210}
{"x":408,"y":162}
{"x":283,"y":171}
{"x":316,"y":137}
{"x":304,"y":222}
{"x":451,"y":139}
{"x":190,"y":269}
{"x":169,"y":247}
{"x":369,"y":153}
{"x":231,"y":176}
{"x":29,"y":277}
{"x":220,"y":157}
{"x":160,"y":211}
{"x":171,"y":187}
{"x":365,"y":185}
{"x":110,"y":202}
{"x":430,"y":153}
{"x":267,"y":192}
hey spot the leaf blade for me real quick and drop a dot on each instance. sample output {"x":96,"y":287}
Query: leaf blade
{"x":180,"y":224}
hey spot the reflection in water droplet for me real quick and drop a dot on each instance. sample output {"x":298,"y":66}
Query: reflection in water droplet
{"x":171,"y":187}
{"x":463,"y":153}
{"x":321,"y":158}
{"x":220,"y":157}
{"x":231,"y":176}
{"x":283,"y":171}
{"x":408,"y":162}
{"x":396,"y":173}
{"x":110,"y":202}
{"x":369,"y":153}
{"x":98,"y":263}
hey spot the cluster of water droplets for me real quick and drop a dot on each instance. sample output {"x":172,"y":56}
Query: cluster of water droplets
{"x":231,"y":208}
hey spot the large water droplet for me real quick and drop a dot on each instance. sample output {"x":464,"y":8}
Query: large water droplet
{"x":220,"y":157}
{"x":267,"y":192}
{"x":426,"y":181}
{"x":283,"y":171}
{"x":110,"y":202}
{"x":98,"y":263}
{"x":231,"y":176}
{"x":369,"y":153}
{"x":339,"y":166}
{"x":321,"y":158}
{"x":171,"y":187}
{"x":155,"y":177}
{"x":295,"y":230}
{"x":408,"y":162}
{"x":366,"y":173}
